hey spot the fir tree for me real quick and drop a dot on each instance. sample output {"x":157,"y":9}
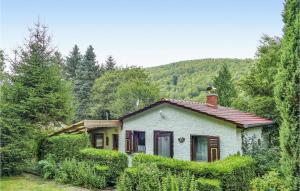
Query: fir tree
{"x":2,"y":67}
{"x":86,"y":74}
{"x":72,"y":63}
{"x":110,"y":63}
{"x":224,"y":86}
{"x":35,"y":97}
{"x":287,"y":94}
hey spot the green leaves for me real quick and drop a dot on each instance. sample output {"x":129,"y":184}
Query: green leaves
{"x":117,"y":93}
{"x":225,"y":87}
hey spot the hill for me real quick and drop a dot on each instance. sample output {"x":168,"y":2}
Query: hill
{"x":185,"y":79}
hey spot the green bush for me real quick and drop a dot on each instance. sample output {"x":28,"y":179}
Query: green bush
{"x":147,"y":177}
{"x":141,"y":178}
{"x":234,"y":172}
{"x":205,"y":184}
{"x":80,"y":173}
{"x":47,"y":168}
{"x":64,"y":146}
{"x":268,"y":182}
{"x":116,"y":161}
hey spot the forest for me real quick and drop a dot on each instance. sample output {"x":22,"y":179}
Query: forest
{"x":43,"y":90}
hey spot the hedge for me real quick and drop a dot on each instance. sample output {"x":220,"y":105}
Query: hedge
{"x":205,"y":184}
{"x":149,"y":177}
{"x":64,"y":146}
{"x":234,"y":172}
{"x":116,"y":161}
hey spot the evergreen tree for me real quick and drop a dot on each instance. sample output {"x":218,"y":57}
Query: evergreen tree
{"x":35,"y":97}
{"x":225,"y":87}
{"x":72,"y":63}
{"x":86,"y":74}
{"x":110,"y":63}
{"x":287,"y":94}
{"x":2,"y":67}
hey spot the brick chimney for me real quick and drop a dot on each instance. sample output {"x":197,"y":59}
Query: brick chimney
{"x":212,"y":100}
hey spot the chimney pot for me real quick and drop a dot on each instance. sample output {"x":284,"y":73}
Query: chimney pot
{"x":212,"y":100}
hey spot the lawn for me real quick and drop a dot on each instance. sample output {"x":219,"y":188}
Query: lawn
{"x":27,"y":182}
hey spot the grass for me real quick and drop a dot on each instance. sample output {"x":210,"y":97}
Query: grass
{"x":27,"y":182}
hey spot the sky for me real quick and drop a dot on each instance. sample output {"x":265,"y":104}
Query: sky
{"x":146,"y":32}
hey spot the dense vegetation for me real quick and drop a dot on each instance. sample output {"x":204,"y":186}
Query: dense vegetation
{"x":287,"y":93}
{"x":188,"y":79}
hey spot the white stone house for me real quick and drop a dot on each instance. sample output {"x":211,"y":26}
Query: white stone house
{"x":188,"y":130}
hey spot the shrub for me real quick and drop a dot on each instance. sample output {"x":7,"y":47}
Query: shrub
{"x":234,"y":172}
{"x":141,"y":178}
{"x":204,"y":184}
{"x":116,"y":161}
{"x":270,"y":181}
{"x":80,"y":173}
{"x":183,"y":182}
{"x":47,"y":168}
{"x":64,"y":146}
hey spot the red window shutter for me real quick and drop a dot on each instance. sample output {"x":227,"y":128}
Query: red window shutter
{"x":128,"y":142}
{"x":213,"y":148}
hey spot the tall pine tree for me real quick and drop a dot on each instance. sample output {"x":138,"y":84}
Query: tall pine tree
{"x":86,"y":74}
{"x":287,"y":94}
{"x":110,"y":63}
{"x":36,"y":97}
{"x":225,"y":87}
{"x":72,"y":63}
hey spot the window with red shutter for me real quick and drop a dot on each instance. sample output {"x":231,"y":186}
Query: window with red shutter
{"x":205,"y":148}
{"x":213,"y":148}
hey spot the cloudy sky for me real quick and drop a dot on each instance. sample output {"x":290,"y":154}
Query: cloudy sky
{"x":146,"y":32}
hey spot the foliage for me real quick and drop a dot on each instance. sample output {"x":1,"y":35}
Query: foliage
{"x":205,"y":184}
{"x":80,"y":173}
{"x":225,"y":87}
{"x":270,"y":181}
{"x":112,"y":97}
{"x":64,"y":146}
{"x":257,"y":86}
{"x":140,"y":178}
{"x":110,"y":64}
{"x":287,"y":93}
{"x":187,"y":79}
{"x":234,"y":172}
{"x":86,"y":73}
{"x":3,"y":74}
{"x":37,"y":91}
{"x":182,"y":182}
{"x":266,"y":157}
{"x":47,"y":168}
{"x":116,"y":161}
{"x":73,"y":62}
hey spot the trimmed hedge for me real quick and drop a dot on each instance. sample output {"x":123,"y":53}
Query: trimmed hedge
{"x":64,"y":146}
{"x":234,"y":172}
{"x":147,"y":177}
{"x":205,"y":184}
{"x":116,"y":161}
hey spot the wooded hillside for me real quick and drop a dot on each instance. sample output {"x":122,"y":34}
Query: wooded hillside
{"x":185,"y":79}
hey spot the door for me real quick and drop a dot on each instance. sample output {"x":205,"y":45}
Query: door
{"x":163,"y":143}
{"x":205,"y":148}
{"x":99,"y":140}
{"x":115,"y":142}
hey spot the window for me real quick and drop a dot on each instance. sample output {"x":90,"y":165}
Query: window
{"x":139,"y":142}
{"x":99,"y":140}
{"x":163,"y":143}
{"x":205,"y":148}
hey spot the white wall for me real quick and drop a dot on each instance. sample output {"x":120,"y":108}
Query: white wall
{"x":183,"y":123}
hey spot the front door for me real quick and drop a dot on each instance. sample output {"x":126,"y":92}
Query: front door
{"x":99,"y":140}
{"x":115,"y":141}
{"x":163,"y":143}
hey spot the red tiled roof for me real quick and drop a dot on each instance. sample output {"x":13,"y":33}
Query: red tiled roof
{"x":241,"y":119}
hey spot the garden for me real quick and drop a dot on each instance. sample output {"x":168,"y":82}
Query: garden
{"x":68,"y":159}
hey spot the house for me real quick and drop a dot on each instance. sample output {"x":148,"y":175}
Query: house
{"x":103,"y":133}
{"x":189,"y":130}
